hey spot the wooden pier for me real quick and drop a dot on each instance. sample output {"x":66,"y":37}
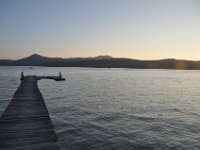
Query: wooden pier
{"x":25,"y":124}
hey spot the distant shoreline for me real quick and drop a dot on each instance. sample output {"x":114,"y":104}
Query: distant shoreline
{"x":103,"y":62}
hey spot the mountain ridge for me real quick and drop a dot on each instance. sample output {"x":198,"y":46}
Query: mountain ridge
{"x":103,"y":61}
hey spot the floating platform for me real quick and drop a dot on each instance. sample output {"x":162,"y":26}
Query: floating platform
{"x":51,"y":77}
{"x":25,"y":124}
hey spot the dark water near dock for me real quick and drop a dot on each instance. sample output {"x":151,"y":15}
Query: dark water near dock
{"x":123,"y":109}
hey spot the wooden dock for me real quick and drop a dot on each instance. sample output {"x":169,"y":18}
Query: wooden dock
{"x":25,"y":124}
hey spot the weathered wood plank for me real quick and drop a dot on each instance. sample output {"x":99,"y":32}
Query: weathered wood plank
{"x":25,"y":124}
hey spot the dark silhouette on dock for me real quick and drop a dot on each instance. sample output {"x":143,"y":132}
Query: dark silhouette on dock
{"x":25,"y":124}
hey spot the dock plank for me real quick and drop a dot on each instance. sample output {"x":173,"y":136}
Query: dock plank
{"x":25,"y":124}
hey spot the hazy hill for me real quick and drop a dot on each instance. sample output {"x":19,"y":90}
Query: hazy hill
{"x":35,"y":60}
{"x":103,"y":62}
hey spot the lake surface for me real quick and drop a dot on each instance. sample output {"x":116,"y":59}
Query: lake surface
{"x":119,"y":109}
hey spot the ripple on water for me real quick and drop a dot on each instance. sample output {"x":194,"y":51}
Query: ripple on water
{"x":122,"y":109}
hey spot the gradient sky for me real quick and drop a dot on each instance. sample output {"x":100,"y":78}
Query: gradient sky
{"x":142,"y":29}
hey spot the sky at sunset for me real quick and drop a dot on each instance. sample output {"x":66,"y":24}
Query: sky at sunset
{"x":141,"y":29}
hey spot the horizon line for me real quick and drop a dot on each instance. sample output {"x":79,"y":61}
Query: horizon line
{"x":101,"y":55}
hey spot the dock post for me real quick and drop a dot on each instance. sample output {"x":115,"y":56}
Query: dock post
{"x":22,"y":76}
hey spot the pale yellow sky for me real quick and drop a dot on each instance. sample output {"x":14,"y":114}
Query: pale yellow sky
{"x":130,"y":28}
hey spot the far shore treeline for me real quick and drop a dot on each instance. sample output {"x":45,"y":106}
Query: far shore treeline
{"x":103,"y":62}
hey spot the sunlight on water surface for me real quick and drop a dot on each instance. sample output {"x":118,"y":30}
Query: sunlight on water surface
{"x":117,"y":108}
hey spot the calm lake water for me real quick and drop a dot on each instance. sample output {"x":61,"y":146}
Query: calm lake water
{"x":117,"y":109}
